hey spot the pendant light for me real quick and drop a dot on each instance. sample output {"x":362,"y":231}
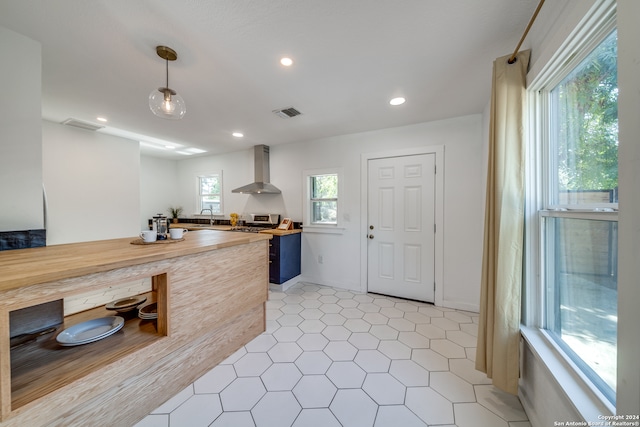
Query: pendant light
{"x":165,"y":102}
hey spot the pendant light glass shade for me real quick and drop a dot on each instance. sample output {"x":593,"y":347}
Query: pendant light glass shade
{"x":165,"y":102}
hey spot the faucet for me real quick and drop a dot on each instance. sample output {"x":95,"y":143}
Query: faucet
{"x":211,"y":216}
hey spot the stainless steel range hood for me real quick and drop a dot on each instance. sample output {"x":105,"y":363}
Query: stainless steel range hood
{"x":261,"y":183}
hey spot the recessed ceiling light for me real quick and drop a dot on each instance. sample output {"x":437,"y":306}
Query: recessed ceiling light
{"x":397,"y":101}
{"x":287,"y":62}
{"x":190,"y":151}
{"x":238,"y":134}
{"x":159,"y":146}
{"x":195,"y":150}
{"x":152,"y":145}
{"x":101,"y":119}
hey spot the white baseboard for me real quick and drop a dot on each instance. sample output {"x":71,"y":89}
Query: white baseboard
{"x":473,"y":308}
{"x":286,"y":285}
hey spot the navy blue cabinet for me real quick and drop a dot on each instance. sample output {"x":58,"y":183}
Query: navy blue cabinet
{"x":284,"y":257}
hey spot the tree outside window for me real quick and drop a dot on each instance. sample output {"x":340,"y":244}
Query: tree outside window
{"x":586,"y":136}
{"x":324,"y":198}
{"x":210,"y":193}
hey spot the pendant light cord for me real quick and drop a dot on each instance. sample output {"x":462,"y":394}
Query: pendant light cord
{"x":166,"y":61}
{"x":512,"y":59}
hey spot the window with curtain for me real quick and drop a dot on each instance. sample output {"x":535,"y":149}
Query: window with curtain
{"x":577,"y":120}
{"x":210,"y":193}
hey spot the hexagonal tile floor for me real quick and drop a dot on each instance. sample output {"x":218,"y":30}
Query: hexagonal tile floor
{"x":332,"y":357}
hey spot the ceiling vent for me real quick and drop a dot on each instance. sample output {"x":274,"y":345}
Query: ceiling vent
{"x":82,"y":125}
{"x":287,"y":113}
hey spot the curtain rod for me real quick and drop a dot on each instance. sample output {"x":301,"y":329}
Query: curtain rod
{"x":512,"y":59}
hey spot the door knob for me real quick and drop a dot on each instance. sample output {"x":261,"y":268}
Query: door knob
{"x":371,"y":227}
{"x":370,"y":236}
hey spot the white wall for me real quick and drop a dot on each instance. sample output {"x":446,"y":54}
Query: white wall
{"x":20,"y":133}
{"x":237,"y":170}
{"x":158,"y":188}
{"x":464,"y":196}
{"x":92,"y":182}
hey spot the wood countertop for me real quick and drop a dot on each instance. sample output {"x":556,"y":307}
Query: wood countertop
{"x":24,"y":267}
{"x":196,"y":227}
{"x":276,"y":232}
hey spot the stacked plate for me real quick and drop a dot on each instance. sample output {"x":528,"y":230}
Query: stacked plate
{"x":126,"y":304}
{"x":90,"y":331}
{"x":149,"y":311}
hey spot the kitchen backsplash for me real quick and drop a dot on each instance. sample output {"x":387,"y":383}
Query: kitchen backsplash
{"x":22,"y":239}
{"x":197,"y":221}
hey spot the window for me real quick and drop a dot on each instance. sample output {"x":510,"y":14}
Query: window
{"x":324,"y":199}
{"x":584,"y":131}
{"x":577,"y":120}
{"x":322,"y":202}
{"x":210,"y":193}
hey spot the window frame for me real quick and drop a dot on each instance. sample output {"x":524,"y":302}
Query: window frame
{"x":579,"y":54}
{"x":585,"y":395}
{"x":308,"y":225}
{"x":199,"y":195}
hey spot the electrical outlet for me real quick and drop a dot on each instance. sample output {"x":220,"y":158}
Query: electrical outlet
{"x":320,"y":259}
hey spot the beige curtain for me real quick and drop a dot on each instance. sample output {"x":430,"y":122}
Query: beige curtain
{"x":498,"y":351}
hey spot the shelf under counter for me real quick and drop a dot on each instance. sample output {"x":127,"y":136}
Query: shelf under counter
{"x":42,"y":366}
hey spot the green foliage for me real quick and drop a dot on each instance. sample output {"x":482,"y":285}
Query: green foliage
{"x":587,"y":127}
{"x":324,"y":186}
{"x":175,"y":212}
{"x":209,"y":184}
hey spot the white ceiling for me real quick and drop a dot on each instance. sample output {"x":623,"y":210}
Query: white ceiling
{"x":350,"y":58}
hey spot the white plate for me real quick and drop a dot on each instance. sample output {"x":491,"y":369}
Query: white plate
{"x":128,"y":303}
{"x":90,"y":331}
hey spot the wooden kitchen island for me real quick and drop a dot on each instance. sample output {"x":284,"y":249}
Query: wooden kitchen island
{"x":210,"y":288}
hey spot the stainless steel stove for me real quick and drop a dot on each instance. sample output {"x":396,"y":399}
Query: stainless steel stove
{"x":258,"y":222}
{"x":245,"y":229}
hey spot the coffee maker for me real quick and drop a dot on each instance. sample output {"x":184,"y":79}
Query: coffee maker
{"x":160,"y":225}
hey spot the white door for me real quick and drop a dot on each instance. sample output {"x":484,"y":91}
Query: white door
{"x":401,"y":228}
